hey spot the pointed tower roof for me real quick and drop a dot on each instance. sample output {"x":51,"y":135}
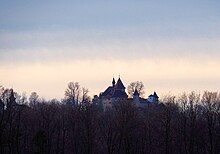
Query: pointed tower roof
{"x":136,"y":93}
{"x":155,"y":95}
{"x":113,"y":82}
{"x":119,"y":84}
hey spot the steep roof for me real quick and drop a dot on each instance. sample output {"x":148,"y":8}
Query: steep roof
{"x":119,"y":84}
{"x":108,"y":91}
{"x":150,"y":95}
{"x":155,"y":95}
{"x":119,"y":93}
{"x":117,"y":90}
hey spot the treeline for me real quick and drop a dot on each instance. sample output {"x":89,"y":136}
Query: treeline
{"x":186,"y":124}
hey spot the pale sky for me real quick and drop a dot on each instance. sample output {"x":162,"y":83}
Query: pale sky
{"x":170,"y":45}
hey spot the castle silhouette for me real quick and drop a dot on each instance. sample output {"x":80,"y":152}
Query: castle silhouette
{"x":116,"y":92}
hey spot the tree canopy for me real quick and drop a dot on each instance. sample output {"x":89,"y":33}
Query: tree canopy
{"x":137,"y":85}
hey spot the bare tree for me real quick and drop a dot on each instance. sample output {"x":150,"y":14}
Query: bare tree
{"x":85,"y":97}
{"x":192,"y":113}
{"x":126,"y":123}
{"x":135,"y":85}
{"x":76,"y":95}
{"x":183,"y":120}
{"x":33,"y":99}
{"x":73,"y":92}
{"x":21,"y":99}
{"x":166,"y":123}
{"x":1,"y":90}
{"x":210,"y":102}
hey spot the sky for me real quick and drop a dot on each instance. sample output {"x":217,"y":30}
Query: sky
{"x":171,"y":46}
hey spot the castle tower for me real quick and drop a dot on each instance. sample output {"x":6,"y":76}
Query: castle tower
{"x":136,"y":98}
{"x":120,"y":85}
{"x":113,"y":82}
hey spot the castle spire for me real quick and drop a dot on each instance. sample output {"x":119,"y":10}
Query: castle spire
{"x":120,"y":85}
{"x":113,"y":82}
{"x":136,"y":93}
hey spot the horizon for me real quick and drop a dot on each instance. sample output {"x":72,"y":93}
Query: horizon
{"x":172,"y":47}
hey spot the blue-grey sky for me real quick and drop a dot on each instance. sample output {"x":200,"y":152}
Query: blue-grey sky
{"x":170,"y":45}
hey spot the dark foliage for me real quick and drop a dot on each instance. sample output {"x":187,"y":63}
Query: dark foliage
{"x":188,"y":124}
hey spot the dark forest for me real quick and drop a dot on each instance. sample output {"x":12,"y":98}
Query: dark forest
{"x":189,"y":123}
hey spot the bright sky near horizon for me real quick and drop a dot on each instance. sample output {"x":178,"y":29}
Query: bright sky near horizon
{"x":171,"y":46}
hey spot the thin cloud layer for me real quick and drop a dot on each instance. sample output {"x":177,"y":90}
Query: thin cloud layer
{"x":42,"y":47}
{"x":169,"y":45}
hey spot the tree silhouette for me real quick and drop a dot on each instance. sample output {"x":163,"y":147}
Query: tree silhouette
{"x":211,"y":102}
{"x":188,"y":123}
{"x":73,"y":92}
{"x":135,"y":85}
{"x":33,"y":99}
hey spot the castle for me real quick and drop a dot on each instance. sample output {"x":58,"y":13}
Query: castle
{"x":116,"y":92}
